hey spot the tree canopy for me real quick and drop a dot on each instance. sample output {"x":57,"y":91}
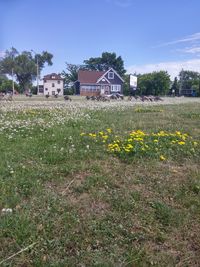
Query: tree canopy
{"x":24,"y":66}
{"x":106,"y":61}
{"x":155,"y":83}
{"x":71,"y":73}
{"x":189,"y":79}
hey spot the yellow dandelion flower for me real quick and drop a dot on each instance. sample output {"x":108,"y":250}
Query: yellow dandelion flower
{"x":181,"y":143}
{"x":162,"y":158}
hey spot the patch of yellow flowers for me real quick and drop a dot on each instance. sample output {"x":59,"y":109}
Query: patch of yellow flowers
{"x":161,"y":144}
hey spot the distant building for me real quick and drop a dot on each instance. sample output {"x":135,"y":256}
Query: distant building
{"x":52,"y":85}
{"x":93,"y":83}
{"x":188,"y":92}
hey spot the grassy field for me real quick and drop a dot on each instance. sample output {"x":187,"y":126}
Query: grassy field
{"x":77,"y":203}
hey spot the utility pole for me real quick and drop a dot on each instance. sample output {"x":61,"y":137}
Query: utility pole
{"x":13,"y":85}
{"x":37,"y":65}
{"x":37,"y":77}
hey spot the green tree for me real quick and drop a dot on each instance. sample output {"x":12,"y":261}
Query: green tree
{"x":155,"y":83}
{"x":7,"y":63}
{"x":126,"y":86}
{"x":106,"y":61}
{"x":189,"y":79}
{"x":25,"y":70}
{"x":71,"y":74}
{"x":175,"y":86}
{"x":24,"y":65}
{"x":6,"y":84}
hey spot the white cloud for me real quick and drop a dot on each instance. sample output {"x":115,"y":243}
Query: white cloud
{"x":2,"y":54}
{"x":187,"y":39}
{"x":191,"y":50}
{"x":173,"y":67}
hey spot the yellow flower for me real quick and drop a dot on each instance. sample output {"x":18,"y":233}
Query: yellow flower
{"x":162,"y":157}
{"x":82,"y":134}
{"x":178,"y":133}
{"x":109,"y":130}
{"x":92,"y":135}
{"x":195,"y":143}
{"x":181,"y":143}
{"x":129,"y":146}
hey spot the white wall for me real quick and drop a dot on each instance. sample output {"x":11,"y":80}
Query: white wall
{"x":48,"y":89}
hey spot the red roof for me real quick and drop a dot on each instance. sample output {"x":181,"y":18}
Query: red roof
{"x":52,"y":76}
{"x":89,"y":76}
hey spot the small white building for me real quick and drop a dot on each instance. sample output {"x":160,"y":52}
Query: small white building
{"x":53,"y":84}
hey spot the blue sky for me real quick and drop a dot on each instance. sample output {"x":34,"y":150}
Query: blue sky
{"x":148,"y":34}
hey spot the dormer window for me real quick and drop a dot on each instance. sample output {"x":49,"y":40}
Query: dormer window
{"x":110,"y":75}
{"x":53,"y":77}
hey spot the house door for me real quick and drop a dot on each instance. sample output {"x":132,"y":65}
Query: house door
{"x":105,"y":89}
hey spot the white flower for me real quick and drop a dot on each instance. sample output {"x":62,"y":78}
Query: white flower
{"x":6,"y":210}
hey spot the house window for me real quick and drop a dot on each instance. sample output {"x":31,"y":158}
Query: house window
{"x":46,"y":89}
{"x":110,"y":75}
{"x":116,"y":88}
{"x":53,"y":85}
{"x":53,"y":92}
{"x":45,"y":81}
{"x":58,"y":82}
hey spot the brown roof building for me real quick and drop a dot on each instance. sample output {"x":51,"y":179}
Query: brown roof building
{"x":99,"y":82}
{"x":52,"y":76}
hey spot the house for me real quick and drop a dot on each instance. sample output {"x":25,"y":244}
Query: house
{"x":52,"y":84}
{"x":93,"y":83}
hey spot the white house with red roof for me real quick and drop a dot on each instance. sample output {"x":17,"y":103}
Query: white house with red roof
{"x":52,"y":85}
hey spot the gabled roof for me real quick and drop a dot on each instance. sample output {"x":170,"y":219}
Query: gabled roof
{"x":52,"y":76}
{"x":111,"y":69}
{"x":89,"y":76}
